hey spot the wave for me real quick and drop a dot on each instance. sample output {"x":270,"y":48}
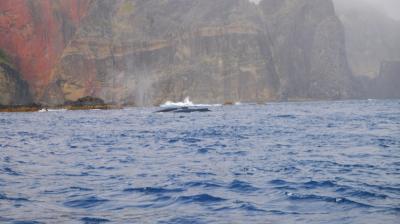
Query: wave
{"x":88,"y":202}
{"x":94,"y":220}
{"x":26,"y":222}
{"x":313,"y":197}
{"x":242,"y":186}
{"x":202,"y":184}
{"x":57,"y":110}
{"x":6,"y":198}
{"x":52,"y":110}
{"x":187,"y":103}
{"x":245,"y":206}
{"x":153,"y":190}
{"x":10,"y":172}
{"x":200,"y":198}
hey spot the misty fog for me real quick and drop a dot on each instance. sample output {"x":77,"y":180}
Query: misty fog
{"x":389,"y":7}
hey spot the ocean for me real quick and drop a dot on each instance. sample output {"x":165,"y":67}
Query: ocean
{"x":306,"y":162}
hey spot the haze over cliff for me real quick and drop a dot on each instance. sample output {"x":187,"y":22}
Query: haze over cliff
{"x":147,"y":52}
{"x":373,"y":44}
{"x":372,"y":33}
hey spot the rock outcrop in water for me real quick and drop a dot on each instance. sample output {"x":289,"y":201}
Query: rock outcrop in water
{"x":183,"y":110}
{"x":87,"y":103}
{"x":148,"y":52}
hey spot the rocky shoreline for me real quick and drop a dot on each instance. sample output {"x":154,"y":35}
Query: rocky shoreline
{"x":85,"y":103}
{"x":20,"y":108}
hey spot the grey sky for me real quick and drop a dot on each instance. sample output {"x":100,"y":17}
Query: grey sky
{"x":390,"y":7}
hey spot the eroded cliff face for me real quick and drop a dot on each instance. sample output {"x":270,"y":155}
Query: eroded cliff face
{"x":147,"y":52}
{"x":13,"y":90}
{"x":35,"y":33}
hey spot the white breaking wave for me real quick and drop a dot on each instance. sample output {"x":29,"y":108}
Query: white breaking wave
{"x":52,"y":110}
{"x":57,"y":110}
{"x":187,"y":103}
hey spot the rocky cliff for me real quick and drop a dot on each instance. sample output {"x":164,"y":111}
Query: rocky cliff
{"x":372,"y":36}
{"x":13,"y":90}
{"x":309,"y":49}
{"x":147,"y":52}
{"x":373,"y":47}
{"x":35,"y":33}
{"x":386,"y":85}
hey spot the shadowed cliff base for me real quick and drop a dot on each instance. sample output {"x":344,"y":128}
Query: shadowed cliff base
{"x":85,"y":103}
{"x":13,"y":89}
{"x":20,"y":108}
{"x":89,"y":103}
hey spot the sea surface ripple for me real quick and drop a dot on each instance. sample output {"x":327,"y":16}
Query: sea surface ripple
{"x":312,"y":162}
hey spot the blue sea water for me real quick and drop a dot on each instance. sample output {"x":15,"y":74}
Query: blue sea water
{"x":313,"y":162}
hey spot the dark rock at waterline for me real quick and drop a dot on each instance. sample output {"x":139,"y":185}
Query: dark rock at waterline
{"x":183,"y":110}
{"x":85,"y":101}
{"x":88,"y":103}
{"x":20,"y":108}
{"x":171,"y":109}
{"x":191,"y":110}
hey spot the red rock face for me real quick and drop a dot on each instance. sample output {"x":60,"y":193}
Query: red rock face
{"x":35,"y":32}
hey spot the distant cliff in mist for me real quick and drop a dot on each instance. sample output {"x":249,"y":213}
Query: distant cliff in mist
{"x":147,"y":52}
{"x":373,"y":47}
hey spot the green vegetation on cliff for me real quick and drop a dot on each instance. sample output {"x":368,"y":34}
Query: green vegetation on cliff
{"x":5,"y":59}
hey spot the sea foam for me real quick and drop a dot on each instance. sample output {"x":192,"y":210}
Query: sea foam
{"x":187,"y":103}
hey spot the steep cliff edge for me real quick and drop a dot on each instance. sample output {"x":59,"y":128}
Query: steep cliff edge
{"x":309,"y":49}
{"x":147,"y":52}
